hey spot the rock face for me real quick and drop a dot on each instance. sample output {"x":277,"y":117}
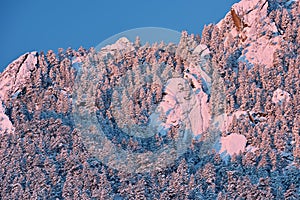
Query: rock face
{"x":5,"y":123}
{"x":182,"y":104}
{"x":204,"y":119}
{"x":265,"y":43}
{"x":233,"y":144}
{"x":17,"y":74}
{"x":13,"y":80}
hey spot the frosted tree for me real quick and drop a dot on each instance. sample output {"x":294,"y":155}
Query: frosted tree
{"x":206,"y":35}
{"x":291,"y":193}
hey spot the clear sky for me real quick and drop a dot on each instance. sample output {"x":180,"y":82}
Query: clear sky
{"x":49,"y":24}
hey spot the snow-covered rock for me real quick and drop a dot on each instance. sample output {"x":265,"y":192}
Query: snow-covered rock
{"x":182,"y":105}
{"x":279,"y":96}
{"x":254,"y":14}
{"x":198,"y":62}
{"x":13,"y":79}
{"x":262,"y":46}
{"x":120,"y":114}
{"x":5,"y":123}
{"x":201,"y":50}
{"x":259,"y":34}
{"x":233,"y":144}
{"x":122,"y":44}
{"x":16,"y":74}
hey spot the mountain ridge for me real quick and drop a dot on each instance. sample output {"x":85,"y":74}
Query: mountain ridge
{"x":225,"y":107}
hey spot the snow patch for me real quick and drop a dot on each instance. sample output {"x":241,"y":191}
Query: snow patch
{"x":254,"y":14}
{"x":76,"y":60}
{"x":24,"y":71}
{"x":233,"y":144}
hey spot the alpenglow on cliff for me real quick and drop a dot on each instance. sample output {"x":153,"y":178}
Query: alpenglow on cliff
{"x":213,"y":117}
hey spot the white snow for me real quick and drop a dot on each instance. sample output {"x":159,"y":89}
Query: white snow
{"x":5,"y":85}
{"x":183,"y":103}
{"x":233,"y":144}
{"x":279,"y":96}
{"x":254,"y":13}
{"x":202,"y":99}
{"x":250,"y":10}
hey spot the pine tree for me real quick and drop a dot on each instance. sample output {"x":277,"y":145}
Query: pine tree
{"x":291,"y":193}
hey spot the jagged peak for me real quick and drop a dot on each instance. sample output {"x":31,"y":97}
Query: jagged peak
{"x":16,"y":63}
{"x":251,"y":10}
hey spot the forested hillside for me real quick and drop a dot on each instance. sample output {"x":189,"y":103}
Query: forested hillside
{"x":215,"y":117}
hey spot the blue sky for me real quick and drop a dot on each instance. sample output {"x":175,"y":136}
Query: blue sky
{"x":42,"y":25}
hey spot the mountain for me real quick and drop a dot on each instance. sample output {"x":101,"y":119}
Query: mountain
{"x":215,"y":117}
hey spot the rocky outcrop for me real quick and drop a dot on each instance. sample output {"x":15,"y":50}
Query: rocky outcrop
{"x":280,"y":96}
